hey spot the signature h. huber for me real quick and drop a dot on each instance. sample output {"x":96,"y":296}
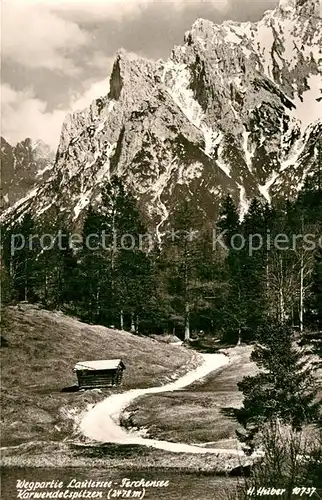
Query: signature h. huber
{"x":263,"y":491}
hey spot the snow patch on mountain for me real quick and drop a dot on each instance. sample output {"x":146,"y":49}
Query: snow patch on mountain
{"x":244,"y":202}
{"x":82,"y":203}
{"x":221,"y":163}
{"x":264,"y":189}
{"x":247,"y":149}
{"x":309,"y":106}
{"x":212,"y":139}
{"x":177,"y":79}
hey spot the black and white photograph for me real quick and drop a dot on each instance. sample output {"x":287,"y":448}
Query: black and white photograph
{"x":161,"y":249}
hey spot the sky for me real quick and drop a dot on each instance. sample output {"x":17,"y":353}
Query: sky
{"x":57,"y":55}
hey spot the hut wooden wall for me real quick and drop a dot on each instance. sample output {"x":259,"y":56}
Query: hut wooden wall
{"x":99,"y":378}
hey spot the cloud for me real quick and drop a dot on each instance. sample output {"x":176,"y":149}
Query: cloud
{"x":93,"y":91}
{"x":23,"y":115}
{"x":97,"y":10}
{"x":99,"y":60}
{"x":50,"y":34}
{"x":35,"y":36}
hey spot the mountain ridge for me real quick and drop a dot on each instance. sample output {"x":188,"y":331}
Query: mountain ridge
{"x":24,"y":166}
{"x":236,"y":109}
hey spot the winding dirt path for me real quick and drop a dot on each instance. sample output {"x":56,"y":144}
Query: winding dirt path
{"x":102,"y":422}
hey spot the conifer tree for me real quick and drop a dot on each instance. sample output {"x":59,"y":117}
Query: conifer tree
{"x":181,"y":251}
{"x":228,"y":221}
{"x":317,"y":290}
{"x":132,"y":267}
{"x":232,"y":303}
{"x":254,"y":265}
{"x":314,"y":337}
{"x":5,"y":299}
{"x":161,"y":310}
{"x":55,"y":263}
{"x":281,"y":271}
{"x":210,"y":274}
{"x":94,"y":276}
{"x":20,"y":253}
{"x":284,"y":390}
{"x":114,"y":270}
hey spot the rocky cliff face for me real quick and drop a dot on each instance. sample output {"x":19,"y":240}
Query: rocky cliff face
{"x":24,"y":167}
{"x":237,"y":108}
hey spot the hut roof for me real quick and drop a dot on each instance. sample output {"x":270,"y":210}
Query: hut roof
{"x":99,"y":364}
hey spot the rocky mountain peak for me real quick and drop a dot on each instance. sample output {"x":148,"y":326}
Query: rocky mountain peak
{"x":131,"y":72}
{"x":116,"y":80}
{"x":307,"y":8}
{"x":23,"y":167}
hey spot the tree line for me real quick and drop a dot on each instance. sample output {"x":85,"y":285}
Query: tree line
{"x":180,"y":282}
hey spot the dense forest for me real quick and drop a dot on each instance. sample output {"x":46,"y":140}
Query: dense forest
{"x":225,"y":278}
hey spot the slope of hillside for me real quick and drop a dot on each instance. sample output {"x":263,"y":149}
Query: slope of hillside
{"x":37,"y":363}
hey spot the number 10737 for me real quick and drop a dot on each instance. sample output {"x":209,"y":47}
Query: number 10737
{"x":301,"y":491}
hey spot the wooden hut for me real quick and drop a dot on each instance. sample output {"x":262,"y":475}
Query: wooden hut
{"x":99,"y":373}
